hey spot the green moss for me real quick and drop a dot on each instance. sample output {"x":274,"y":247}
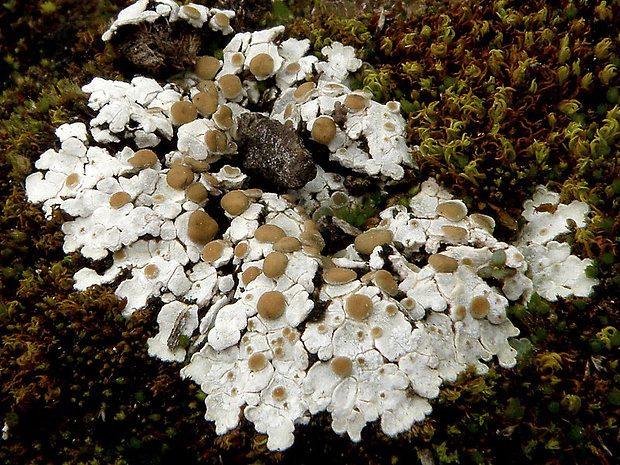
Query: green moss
{"x":48,"y":7}
{"x":358,"y":213}
{"x":281,"y":12}
{"x":514,"y":409}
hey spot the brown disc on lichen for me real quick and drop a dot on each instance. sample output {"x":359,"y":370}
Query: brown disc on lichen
{"x":459,"y":312}
{"x":216,"y":141}
{"x":179,"y":176}
{"x":201,"y":227}
{"x":358,"y":306}
{"x":209,"y":87}
{"x":151,"y":271}
{"x":262,"y":65}
{"x":279,"y":393}
{"x":408,"y":303}
{"x":367,"y":241}
{"x":292,"y":68}
{"x":254,"y":193}
{"x":142,"y":159}
{"x":237,"y":59}
{"x":386,"y":282}
{"x":479,"y":307}
{"x":323,"y":130}
{"x":119,"y":199}
{"x":221,"y":20}
{"x":312,"y":239}
{"x":271,"y":305}
{"x":190,"y":11}
{"x":454,"y":210}
{"x":257,"y":362}
{"x":213,"y":251}
{"x":393,"y":106}
{"x":391,"y":309}
{"x":367,"y":277}
{"x":275,"y":264}
{"x":376,"y":332}
{"x":206,"y":67}
{"x":340,"y":200}
{"x":311,"y":251}
{"x":230,"y":85}
{"x":235,"y":203}
{"x":290,"y":334}
{"x":196,"y":165}
{"x":206,"y":103}
{"x":241,"y":249}
{"x":196,"y":192}
{"x":288,"y":111}
{"x":341,"y":366}
{"x":455,"y":233}
{"x":287,"y":244}
{"x":311,"y":226}
{"x":389,"y":126}
{"x":72,"y":180}
{"x":339,"y":275}
{"x":183,"y":112}
{"x":483,"y":221}
{"x":250,"y":274}
{"x":442,"y":263}
{"x":302,"y":91}
{"x":211,"y":180}
{"x":232,"y":171}
{"x":269,"y":233}
{"x":223,"y":118}
{"x":356,"y":102}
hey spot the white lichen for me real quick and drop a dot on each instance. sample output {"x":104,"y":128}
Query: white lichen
{"x":247,"y":298}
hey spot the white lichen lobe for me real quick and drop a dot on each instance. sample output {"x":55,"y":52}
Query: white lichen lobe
{"x":268,"y":326}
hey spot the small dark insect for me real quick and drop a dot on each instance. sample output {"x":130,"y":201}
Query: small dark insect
{"x":340,"y":113}
{"x":546,"y":208}
{"x":157,"y":49}
{"x":177,"y":329}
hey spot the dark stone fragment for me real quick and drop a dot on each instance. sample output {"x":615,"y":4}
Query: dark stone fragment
{"x":249,"y":13}
{"x":157,"y":49}
{"x":273,"y":152}
{"x":357,"y":185}
{"x":338,"y":234}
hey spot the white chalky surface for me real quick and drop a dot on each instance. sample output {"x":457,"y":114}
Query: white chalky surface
{"x":410,"y":342}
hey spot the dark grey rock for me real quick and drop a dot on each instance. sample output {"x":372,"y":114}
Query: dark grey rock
{"x":273,"y":151}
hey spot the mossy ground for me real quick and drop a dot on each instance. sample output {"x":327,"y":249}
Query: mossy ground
{"x":500,"y":96}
